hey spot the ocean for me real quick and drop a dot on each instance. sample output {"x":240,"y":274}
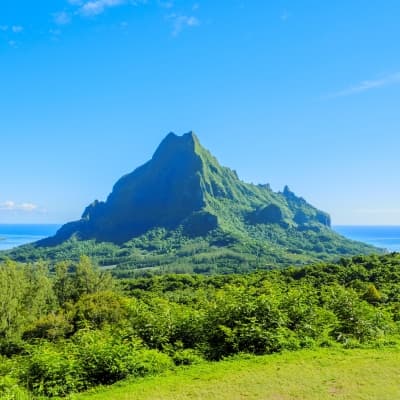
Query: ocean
{"x":387,"y":237}
{"x":16,"y":235}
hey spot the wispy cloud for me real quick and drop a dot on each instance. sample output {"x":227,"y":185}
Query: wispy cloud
{"x":62,"y":18}
{"x":10,"y":33}
{"x":13,"y":206}
{"x":363,"y":86}
{"x":90,"y":8}
{"x":93,"y":8}
{"x":284,"y":16}
{"x":180,"y":22}
{"x":165,"y":4}
{"x":97,"y":7}
{"x":17,"y":28}
{"x":11,"y":28}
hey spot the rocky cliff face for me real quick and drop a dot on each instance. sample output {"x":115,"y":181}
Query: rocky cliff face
{"x":183,"y":185}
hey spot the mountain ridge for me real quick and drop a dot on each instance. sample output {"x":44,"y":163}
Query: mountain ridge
{"x":183,"y":184}
{"x":182,"y":208}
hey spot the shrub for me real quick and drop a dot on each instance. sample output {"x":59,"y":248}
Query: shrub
{"x":52,"y":371}
{"x":148,"y":362}
{"x":11,"y":390}
{"x":357,"y":319}
{"x":102,"y":357}
{"x":52,"y":327}
{"x":99,"y":309}
{"x":107,"y":358}
{"x":186,"y":357}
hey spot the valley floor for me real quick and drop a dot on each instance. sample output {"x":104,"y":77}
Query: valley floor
{"x":306,"y":375}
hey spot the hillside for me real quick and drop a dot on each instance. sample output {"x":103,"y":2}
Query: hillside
{"x":185,"y":212}
{"x":78,"y":328}
{"x":307,"y":375}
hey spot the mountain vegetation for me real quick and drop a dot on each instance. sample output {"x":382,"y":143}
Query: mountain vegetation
{"x":76,"y":327}
{"x":183,"y":212}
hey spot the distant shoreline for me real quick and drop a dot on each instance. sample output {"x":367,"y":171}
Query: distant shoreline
{"x":15,"y":235}
{"x":382,"y":236}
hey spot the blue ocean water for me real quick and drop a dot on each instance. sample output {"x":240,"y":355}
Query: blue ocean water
{"x":15,"y":235}
{"x":387,"y":237}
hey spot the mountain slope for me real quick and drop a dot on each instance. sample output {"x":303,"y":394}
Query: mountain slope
{"x":183,"y":184}
{"x":200,"y":212}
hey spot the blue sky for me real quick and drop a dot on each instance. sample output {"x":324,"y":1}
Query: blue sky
{"x":286,"y":92}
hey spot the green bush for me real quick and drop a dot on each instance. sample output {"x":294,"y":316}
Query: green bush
{"x":93,"y":358}
{"x":186,"y":357}
{"x":149,"y":362}
{"x":357,"y":319}
{"x":52,"y":327}
{"x":102,"y":357}
{"x":52,"y":370}
{"x":99,"y":337}
{"x":96,"y":310}
{"x":10,"y":389}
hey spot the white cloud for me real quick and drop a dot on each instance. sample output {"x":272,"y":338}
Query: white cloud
{"x":96,"y":7}
{"x":62,"y":18}
{"x":179,"y":22}
{"x":90,"y":8}
{"x":366,"y":85}
{"x":27,"y":206}
{"x":17,"y":28}
{"x":13,"y":206}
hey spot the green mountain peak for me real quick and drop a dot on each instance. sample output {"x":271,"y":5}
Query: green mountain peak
{"x":184,"y":185}
{"x":183,"y":194}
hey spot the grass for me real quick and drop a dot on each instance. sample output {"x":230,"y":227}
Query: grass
{"x":307,"y":375}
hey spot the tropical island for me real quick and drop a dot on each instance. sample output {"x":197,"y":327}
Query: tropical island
{"x":184,"y":265}
{"x":183,"y":212}
{"x":258,"y":258}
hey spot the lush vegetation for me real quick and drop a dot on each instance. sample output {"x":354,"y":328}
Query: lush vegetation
{"x":183,"y":212}
{"x":78,"y":327}
{"x":322,"y":374}
{"x":159,"y":251}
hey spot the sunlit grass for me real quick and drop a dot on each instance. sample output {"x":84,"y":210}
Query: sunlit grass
{"x":306,"y":375}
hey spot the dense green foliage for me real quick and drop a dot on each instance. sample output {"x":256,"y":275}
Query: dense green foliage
{"x":159,"y":251}
{"x":77,"y":327}
{"x":183,"y":212}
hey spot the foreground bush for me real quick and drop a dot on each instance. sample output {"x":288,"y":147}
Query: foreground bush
{"x":91,"y":358}
{"x":56,"y":339}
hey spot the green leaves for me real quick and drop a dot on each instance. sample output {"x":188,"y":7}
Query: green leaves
{"x":73,"y":330}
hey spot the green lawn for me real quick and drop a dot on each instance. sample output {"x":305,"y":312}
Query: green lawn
{"x":306,"y":375}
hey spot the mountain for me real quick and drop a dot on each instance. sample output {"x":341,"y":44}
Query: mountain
{"x":184,"y":185}
{"x":182,"y":209}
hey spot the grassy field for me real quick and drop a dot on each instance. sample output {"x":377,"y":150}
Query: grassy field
{"x":306,"y":375}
